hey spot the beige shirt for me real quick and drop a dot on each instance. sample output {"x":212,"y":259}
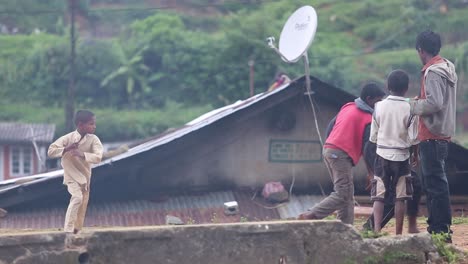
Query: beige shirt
{"x":393,"y":128}
{"x":77,"y":169}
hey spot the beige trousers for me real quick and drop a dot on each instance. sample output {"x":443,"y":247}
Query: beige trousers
{"x":74,"y":219}
{"x":341,"y":199}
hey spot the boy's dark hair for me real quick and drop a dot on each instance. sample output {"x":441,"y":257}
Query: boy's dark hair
{"x":429,"y":42}
{"x":398,"y":81}
{"x":83,"y":116}
{"x":371,"y":90}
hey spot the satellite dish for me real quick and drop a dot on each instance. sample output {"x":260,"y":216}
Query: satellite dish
{"x":296,"y":37}
{"x":298,"y":33}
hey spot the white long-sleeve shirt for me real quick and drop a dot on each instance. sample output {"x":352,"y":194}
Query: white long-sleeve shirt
{"x":77,"y":169}
{"x":393,"y":128}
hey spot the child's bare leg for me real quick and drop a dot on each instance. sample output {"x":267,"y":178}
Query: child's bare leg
{"x":378,"y":215}
{"x":399,"y":216}
{"x":412,"y":225}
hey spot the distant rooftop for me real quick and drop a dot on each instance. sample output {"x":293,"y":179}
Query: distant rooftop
{"x":22,"y":132}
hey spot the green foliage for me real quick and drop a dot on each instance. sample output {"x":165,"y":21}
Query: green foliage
{"x":391,"y":257}
{"x":445,"y":250}
{"x":128,"y":125}
{"x":112,"y":125}
{"x":32,"y":113}
{"x":43,"y":75}
{"x":372,"y":234}
{"x":460,"y":221}
{"x":133,"y":70}
{"x":18,"y":46}
{"x":330,"y":217}
{"x":13,"y":50}
{"x":165,"y":57}
{"x":453,"y":24}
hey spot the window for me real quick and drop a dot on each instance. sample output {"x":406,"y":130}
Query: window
{"x":21,"y":161}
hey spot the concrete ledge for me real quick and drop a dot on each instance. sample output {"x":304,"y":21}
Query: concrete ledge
{"x":286,"y":242}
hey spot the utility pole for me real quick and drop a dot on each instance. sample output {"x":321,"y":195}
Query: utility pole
{"x":70,"y":100}
{"x":251,"y":66}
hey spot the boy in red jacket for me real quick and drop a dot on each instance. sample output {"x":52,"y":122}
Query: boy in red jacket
{"x":342,"y":150}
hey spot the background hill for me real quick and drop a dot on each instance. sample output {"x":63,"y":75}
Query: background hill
{"x":147,"y":65}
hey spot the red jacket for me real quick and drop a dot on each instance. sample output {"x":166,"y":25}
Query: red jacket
{"x":348,"y":131}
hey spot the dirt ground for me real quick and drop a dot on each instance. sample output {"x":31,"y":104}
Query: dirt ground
{"x":459,"y":237}
{"x":459,"y":221}
{"x":459,"y":228}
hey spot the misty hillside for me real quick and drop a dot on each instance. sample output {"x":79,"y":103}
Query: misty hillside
{"x":157,"y":64}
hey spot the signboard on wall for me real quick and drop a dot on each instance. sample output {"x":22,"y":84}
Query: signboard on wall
{"x":294,"y":151}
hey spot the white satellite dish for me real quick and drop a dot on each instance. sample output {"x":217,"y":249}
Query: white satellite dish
{"x":296,"y":37}
{"x":298,"y":33}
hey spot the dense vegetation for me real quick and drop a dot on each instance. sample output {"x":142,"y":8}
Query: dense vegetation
{"x":149,"y":69}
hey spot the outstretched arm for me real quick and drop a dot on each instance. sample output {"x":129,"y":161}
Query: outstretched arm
{"x":434,"y":102}
{"x":95,"y":155}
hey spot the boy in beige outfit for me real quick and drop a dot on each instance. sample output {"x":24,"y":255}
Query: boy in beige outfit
{"x":78,"y":150}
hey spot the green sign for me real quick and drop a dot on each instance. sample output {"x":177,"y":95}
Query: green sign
{"x":295,"y":151}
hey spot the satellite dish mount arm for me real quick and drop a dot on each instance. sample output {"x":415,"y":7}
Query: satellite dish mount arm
{"x":307,"y":72}
{"x":271,"y":44}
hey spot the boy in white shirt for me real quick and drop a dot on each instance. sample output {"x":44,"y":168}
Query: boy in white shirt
{"x":78,"y":150}
{"x":394,"y":130}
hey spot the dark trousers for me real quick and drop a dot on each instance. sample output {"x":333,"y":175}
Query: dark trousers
{"x":412,"y":206}
{"x":433,"y":155}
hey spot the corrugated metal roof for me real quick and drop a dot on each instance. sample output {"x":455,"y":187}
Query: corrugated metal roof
{"x":21,"y":132}
{"x":27,"y":180}
{"x":164,"y":138}
{"x":323,"y":90}
{"x":298,"y":204}
{"x":196,"y":124}
{"x":191,"y":208}
{"x":296,"y":86}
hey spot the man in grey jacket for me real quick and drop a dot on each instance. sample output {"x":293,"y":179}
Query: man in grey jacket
{"x":436,"y":107}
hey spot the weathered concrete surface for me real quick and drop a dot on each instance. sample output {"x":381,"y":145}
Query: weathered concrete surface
{"x":291,"y":242}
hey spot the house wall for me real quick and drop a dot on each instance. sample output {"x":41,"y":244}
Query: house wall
{"x":236,"y":152}
{"x":240,"y":153}
{"x":6,"y":159}
{"x":6,"y":162}
{"x":1,"y":164}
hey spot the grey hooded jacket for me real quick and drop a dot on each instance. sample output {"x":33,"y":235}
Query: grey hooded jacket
{"x":438,"y":110}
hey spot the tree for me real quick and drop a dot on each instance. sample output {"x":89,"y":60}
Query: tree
{"x":134,"y":71}
{"x":180,"y":60}
{"x":41,"y":77}
{"x":461,"y":64}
